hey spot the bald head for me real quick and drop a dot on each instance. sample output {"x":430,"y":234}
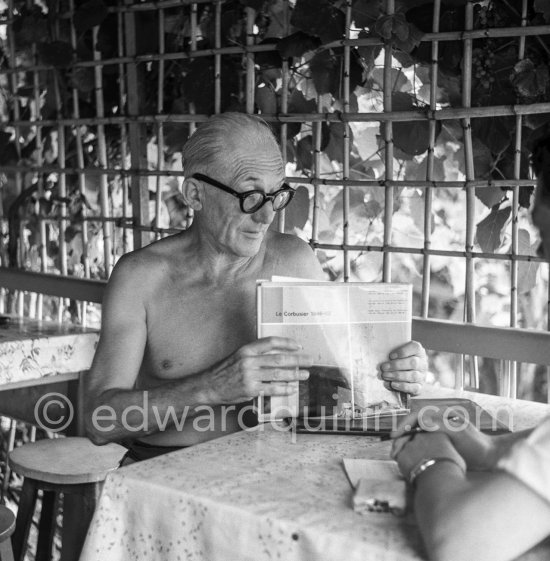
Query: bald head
{"x":216,"y":142}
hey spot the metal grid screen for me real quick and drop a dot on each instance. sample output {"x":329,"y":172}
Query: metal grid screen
{"x":405,"y":127}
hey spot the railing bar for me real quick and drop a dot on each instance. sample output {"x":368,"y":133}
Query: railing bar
{"x":478,"y":184}
{"x":513,"y":366}
{"x":346,"y":144}
{"x":316,"y":133}
{"x":123,"y":131}
{"x":160,"y":125}
{"x":513,"y":32}
{"x":217,"y":58}
{"x":193,"y":49}
{"x":250,"y":76}
{"x":428,"y":194}
{"x":81,"y":177}
{"x":284,"y":129}
{"x":470,"y":294}
{"x":21,"y":296}
{"x":401,"y":116}
{"x":442,"y":252}
{"x":62,"y":184}
{"x":388,"y":150}
{"x":102,"y":157}
{"x":139,"y":194}
{"x":42,"y":236}
{"x":18,"y":174}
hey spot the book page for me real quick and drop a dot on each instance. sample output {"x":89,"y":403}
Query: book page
{"x":348,"y":329}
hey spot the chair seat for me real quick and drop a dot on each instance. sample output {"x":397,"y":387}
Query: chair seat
{"x":7,"y":523}
{"x":66,"y":461}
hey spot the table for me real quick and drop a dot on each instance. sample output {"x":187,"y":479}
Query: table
{"x":37,"y":357}
{"x":32,"y":349}
{"x":258,"y":496}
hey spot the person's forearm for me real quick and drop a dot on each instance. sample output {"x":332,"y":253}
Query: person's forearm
{"x":493,"y":517}
{"x":435,"y":489}
{"x":116,"y":414}
{"x":505,"y":441}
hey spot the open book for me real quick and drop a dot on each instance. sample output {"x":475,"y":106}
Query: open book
{"x":348,"y":329}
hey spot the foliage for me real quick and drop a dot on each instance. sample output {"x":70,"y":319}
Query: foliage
{"x":306,"y":35}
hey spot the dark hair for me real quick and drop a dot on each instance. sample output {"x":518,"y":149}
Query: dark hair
{"x":540,"y":160}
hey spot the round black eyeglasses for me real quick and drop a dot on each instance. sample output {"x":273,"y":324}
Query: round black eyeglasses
{"x":251,"y":201}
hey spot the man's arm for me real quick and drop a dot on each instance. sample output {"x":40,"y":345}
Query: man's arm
{"x":114,"y":408}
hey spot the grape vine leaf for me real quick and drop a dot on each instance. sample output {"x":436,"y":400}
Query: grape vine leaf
{"x":319,"y":17}
{"x":88,"y":15}
{"x":324,"y":72}
{"x":529,"y":80}
{"x":489,"y":230}
{"x":489,"y":196}
{"x":266,"y":99}
{"x":8,"y":153}
{"x":269,"y":59}
{"x":297,"y":44}
{"x":494,"y":132}
{"x":56,"y":53}
{"x":525,"y":193}
{"x":255,"y":4}
{"x":82,"y":78}
{"x":412,"y":137}
{"x":365,"y":12}
{"x":335,"y":147}
{"x":398,"y":79}
{"x":527,"y":270}
{"x":297,"y":212}
{"x":30,"y":28}
{"x":199,"y":85}
{"x":543,"y":7}
{"x":304,"y":154}
{"x":451,"y":18}
{"x":368,"y":53}
{"x":395,"y":27}
{"x":356,"y":205}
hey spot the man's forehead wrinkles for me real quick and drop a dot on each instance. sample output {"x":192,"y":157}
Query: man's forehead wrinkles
{"x":251,"y":168}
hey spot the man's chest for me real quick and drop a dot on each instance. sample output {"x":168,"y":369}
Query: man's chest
{"x":190,"y":331}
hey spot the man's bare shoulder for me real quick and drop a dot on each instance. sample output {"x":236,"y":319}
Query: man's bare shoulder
{"x":143,"y":268}
{"x":293,"y":255}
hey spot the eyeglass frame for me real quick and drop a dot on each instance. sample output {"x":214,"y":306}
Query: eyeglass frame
{"x":242,"y":196}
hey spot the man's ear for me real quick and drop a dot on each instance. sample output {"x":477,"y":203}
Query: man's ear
{"x":192,"y":193}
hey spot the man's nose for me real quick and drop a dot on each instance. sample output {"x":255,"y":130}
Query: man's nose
{"x":265,"y":214}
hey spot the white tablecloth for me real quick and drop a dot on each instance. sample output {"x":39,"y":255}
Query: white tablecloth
{"x":255,"y":496}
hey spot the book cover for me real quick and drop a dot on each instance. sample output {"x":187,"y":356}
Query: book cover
{"x":348,"y":329}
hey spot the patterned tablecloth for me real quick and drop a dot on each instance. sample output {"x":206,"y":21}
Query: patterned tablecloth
{"x":31,"y":350}
{"x":257,"y":496}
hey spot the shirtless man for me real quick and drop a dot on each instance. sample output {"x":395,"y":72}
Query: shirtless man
{"x":179,"y":315}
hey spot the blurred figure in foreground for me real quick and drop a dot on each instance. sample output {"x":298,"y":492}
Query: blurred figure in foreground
{"x":492,"y":518}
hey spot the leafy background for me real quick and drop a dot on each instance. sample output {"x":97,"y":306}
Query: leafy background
{"x":304,"y":35}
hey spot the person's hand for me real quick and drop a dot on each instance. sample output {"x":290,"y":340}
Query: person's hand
{"x":409,"y":451}
{"x":406,"y":369}
{"x":478,"y":450}
{"x":265,"y":366}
